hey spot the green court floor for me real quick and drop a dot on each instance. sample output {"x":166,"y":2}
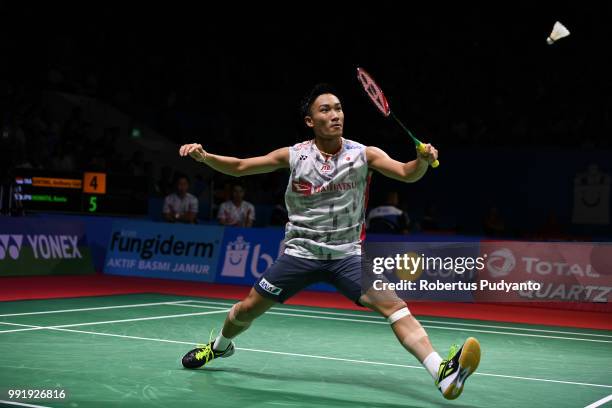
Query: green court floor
{"x":124,"y":351}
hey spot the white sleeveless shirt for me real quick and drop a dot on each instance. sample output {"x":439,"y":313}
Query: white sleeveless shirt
{"x":326,"y":200}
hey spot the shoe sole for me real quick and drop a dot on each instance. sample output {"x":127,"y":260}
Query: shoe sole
{"x":468,"y":363}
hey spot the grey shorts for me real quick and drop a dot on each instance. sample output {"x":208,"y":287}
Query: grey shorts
{"x":290,"y":274}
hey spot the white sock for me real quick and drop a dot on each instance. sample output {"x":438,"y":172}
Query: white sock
{"x":432,"y":364}
{"x":221,"y":343}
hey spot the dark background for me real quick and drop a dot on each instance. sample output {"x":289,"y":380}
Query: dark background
{"x":479,"y":82}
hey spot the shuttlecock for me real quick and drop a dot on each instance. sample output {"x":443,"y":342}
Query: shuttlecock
{"x":559,"y":31}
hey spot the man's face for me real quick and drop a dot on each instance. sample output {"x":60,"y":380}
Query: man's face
{"x":326,"y":117}
{"x":182,"y":186}
{"x":238,"y":193}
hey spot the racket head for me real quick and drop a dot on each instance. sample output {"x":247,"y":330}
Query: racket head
{"x":374,"y":91}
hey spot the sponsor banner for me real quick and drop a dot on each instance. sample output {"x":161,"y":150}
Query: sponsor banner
{"x":247,"y":253}
{"x":159,"y":250}
{"x":43,"y":247}
{"x":563,"y":272}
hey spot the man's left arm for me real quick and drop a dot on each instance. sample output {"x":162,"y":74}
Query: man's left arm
{"x":407,"y":172}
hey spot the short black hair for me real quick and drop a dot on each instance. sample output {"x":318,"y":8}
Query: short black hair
{"x":178,"y":176}
{"x":310,"y":97}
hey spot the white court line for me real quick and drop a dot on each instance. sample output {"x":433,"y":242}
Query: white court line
{"x":32,"y":327}
{"x":94,"y":308}
{"x":20,"y":404}
{"x":321,"y":357}
{"x":17,"y":330}
{"x":137,"y":319}
{"x":183,"y":303}
{"x":491,"y":326}
{"x":425,"y":325}
{"x":421,"y":368}
{"x":600,"y":402}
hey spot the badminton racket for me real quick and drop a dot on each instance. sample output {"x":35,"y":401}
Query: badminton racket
{"x":380,"y":101}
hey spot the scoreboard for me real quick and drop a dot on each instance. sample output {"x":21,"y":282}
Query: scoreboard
{"x":80,"y":192}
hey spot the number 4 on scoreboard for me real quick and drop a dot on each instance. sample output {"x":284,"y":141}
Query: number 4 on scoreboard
{"x":94,"y":183}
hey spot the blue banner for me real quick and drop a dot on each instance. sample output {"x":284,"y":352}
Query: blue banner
{"x":247,"y":253}
{"x":159,"y":250}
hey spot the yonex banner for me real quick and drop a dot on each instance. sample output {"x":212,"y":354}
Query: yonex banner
{"x":248,"y":252}
{"x":43,"y":247}
{"x":161,"y":250}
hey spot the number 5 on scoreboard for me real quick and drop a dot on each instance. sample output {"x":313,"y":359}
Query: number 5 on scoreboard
{"x":94,"y":183}
{"x":93,"y":204}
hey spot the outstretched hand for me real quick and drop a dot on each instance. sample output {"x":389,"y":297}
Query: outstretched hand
{"x":194,"y":150}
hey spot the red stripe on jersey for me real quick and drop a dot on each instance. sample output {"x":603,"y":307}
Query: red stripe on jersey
{"x":365,"y":206}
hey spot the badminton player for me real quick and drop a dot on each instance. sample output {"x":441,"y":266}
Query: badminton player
{"x":326,"y":202}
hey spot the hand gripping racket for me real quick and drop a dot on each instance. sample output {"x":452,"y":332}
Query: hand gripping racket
{"x":378,"y":97}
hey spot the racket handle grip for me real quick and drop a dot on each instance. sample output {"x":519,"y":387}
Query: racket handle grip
{"x":433,"y":164}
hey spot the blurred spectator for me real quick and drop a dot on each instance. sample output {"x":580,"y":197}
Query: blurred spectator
{"x":430,"y":222}
{"x":164,"y":185}
{"x":22,"y":161}
{"x":181,"y":206}
{"x":279,"y":215}
{"x":222,"y":192}
{"x":551,"y":229}
{"x":7,"y":146}
{"x":75,"y":127}
{"x":493,"y":223}
{"x":148,"y":167}
{"x":237,"y":212}
{"x":201,"y":189}
{"x":137,"y":165}
{"x":388,"y":218}
{"x":63,"y":159}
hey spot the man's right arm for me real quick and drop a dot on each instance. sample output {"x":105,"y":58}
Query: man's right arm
{"x":233,"y":166}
